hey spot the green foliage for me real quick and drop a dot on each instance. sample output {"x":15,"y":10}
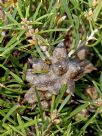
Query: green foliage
{"x":49,"y":20}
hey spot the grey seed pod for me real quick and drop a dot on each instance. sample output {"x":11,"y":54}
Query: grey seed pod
{"x":49,"y":78}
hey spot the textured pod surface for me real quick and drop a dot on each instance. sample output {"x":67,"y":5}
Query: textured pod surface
{"x":49,"y":78}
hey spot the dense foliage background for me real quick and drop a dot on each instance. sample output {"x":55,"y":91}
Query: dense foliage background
{"x":25,"y":25}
